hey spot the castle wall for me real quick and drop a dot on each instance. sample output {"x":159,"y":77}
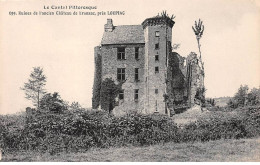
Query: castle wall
{"x":176,"y":81}
{"x":174,"y":84}
{"x":110,"y":63}
{"x":97,"y":78}
{"x":194,"y":77}
{"x":155,"y":102}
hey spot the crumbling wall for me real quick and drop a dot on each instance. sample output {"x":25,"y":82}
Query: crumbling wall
{"x":176,"y":81}
{"x":183,"y":81}
{"x":194,"y":77}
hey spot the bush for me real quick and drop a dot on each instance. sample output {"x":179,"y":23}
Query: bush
{"x":71,"y":131}
{"x":243,"y":123}
{"x":52,"y":102}
{"x":79,"y":130}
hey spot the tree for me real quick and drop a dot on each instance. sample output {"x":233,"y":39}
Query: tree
{"x":198,"y":30}
{"x":254,"y":96}
{"x":34,"y":88}
{"x":241,"y":95}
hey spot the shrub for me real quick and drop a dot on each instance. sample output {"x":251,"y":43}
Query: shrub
{"x":72,"y":131}
{"x":242,"y":123}
{"x":52,"y":102}
{"x":48,"y":131}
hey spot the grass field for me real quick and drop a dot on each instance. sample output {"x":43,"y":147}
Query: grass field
{"x":221,"y":150}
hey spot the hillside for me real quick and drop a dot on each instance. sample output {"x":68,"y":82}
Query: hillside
{"x":222,"y":101}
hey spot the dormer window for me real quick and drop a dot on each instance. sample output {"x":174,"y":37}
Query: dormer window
{"x":121,"y":53}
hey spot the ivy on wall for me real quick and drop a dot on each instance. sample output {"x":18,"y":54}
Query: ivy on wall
{"x":175,"y":81}
{"x":97,"y":83}
{"x":108,"y":93}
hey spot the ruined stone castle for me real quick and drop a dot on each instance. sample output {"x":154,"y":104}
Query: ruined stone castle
{"x":155,"y":79}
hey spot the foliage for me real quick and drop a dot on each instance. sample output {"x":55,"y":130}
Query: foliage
{"x":73,"y":131}
{"x":52,"y":102}
{"x":97,"y":83}
{"x":78,"y":131}
{"x":75,"y":106}
{"x":55,"y":129}
{"x":198,"y":31}
{"x":224,"y":125}
{"x":109,"y":92}
{"x":34,"y":88}
{"x":244,"y":98}
{"x":211,"y":101}
{"x":200,"y":95}
{"x":165,"y":15}
{"x":254,"y":96}
{"x":241,"y":95}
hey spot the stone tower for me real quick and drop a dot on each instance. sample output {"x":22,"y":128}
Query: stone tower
{"x":158,"y":37}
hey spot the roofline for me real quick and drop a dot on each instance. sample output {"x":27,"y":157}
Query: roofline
{"x":123,"y":44}
{"x":158,"y":21}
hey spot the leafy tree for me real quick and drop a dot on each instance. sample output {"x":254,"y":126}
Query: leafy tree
{"x":109,"y":92}
{"x":198,"y":30}
{"x":241,"y":95}
{"x":254,"y":96}
{"x":52,"y":102}
{"x":34,"y":88}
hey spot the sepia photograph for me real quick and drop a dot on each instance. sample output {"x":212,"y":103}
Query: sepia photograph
{"x":129,"y":81}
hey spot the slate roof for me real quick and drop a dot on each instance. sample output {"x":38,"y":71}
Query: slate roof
{"x":124,"y":34}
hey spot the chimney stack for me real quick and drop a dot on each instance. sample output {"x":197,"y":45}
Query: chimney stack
{"x":109,"y":26}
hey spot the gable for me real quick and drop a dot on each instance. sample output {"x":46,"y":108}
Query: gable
{"x":125,"y":34}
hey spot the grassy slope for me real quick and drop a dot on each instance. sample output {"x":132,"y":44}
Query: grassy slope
{"x":221,"y":150}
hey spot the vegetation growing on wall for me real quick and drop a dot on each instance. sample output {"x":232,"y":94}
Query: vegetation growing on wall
{"x":97,"y":83}
{"x":109,"y":91}
{"x":200,"y":95}
{"x":175,"y":80}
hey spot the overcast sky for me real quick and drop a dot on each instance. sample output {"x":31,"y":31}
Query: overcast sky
{"x":63,"y":45}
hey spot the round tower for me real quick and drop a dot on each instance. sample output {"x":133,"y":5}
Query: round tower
{"x":158,"y":37}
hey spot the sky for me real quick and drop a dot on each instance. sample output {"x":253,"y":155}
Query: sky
{"x":64,"y":45}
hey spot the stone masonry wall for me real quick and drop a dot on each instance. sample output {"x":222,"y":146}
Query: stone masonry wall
{"x":194,"y":76}
{"x":110,"y":63}
{"x":154,"y":102}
